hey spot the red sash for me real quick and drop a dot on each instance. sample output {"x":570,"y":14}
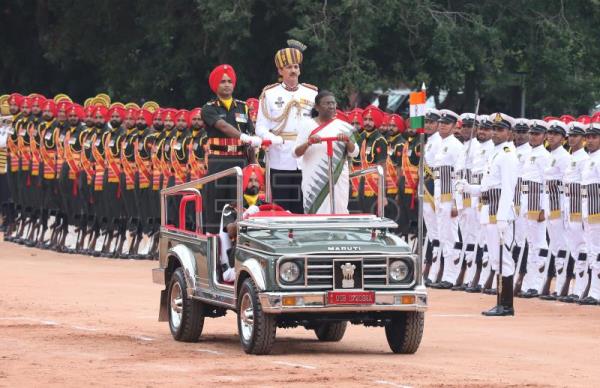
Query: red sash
{"x":87,"y":165}
{"x":24,"y":152}
{"x":71,"y":158}
{"x":48,"y":157}
{"x":13,"y":152}
{"x":197,"y":167}
{"x":143,"y":167}
{"x":391,"y":177}
{"x":128,"y":168}
{"x":370,"y":181}
{"x":156,"y":168}
{"x":178,"y":168}
{"x":35,"y":154}
{"x":100,"y":167}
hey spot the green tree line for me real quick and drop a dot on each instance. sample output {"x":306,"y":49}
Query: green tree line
{"x":164,"y":50}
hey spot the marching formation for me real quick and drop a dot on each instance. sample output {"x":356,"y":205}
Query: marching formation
{"x":517,"y":198}
{"x":509,"y":204}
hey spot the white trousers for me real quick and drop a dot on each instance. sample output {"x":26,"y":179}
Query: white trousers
{"x":469,"y":228}
{"x":449,"y":242}
{"x":493,"y":243}
{"x":592,"y":237}
{"x":430,"y":219}
{"x":558,"y":248}
{"x":577,"y":248}
{"x":537,"y":257}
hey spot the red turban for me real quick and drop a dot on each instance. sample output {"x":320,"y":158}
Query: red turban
{"x":341,"y":115}
{"x":132,"y":113}
{"x":103,"y":111}
{"x":49,"y":105}
{"x":89,"y":110}
{"x":183,"y":113}
{"x":375,"y":113}
{"x":78,"y":110}
{"x":253,"y":168}
{"x":216,"y":76}
{"x":195,"y":112}
{"x":356,"y":115}
{"x":26,"y":102}
{"x":119,"y":110}
{"x":146,"y":115}
{"x":63,"y":106}
{"x":38,"y":100}
{"x":169,"y":113}
{"x":16,"y":99}
{"x":398,"y":122}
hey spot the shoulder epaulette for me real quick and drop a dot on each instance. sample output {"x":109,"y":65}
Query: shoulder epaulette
{"x":313,"y":87}
{"x":213,"y":102}
{"x":269,"y":87}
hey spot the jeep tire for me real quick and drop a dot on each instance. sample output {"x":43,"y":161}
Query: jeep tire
{"x":186,"y":318}
{"x":404,"y":332}
{"x":331,"y":332}
{"x":256,"y":329}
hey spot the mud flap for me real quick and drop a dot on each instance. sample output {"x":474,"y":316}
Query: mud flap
{"x":163,"y":314}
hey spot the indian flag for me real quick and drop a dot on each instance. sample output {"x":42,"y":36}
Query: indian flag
{"x":417,"y":110}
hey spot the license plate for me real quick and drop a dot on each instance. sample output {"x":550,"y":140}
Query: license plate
{"x":360,"y":297}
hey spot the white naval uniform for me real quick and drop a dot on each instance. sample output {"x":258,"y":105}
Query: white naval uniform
{"x":281,"y":114}
{"x":537,"y":257}
{"x":482,"y":158}
{"x":553,"y":177}
{"x":429,"y":217}
{"x":468,"y":216}
{"x":446,"y":158}
{"x":522,"y":152}
{"x":574,"y":224}
{"x":498,"y":184}
{"x":590,"y":182}
{"x":274,"y":102}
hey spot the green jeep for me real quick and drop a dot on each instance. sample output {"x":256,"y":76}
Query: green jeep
{"x":315,"y":271}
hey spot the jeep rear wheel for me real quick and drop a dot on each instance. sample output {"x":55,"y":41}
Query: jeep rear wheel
{"x":186,"y":318}
{"x":256,"y":329}
{"x":405,"y":331}
{"x":331,"y":332}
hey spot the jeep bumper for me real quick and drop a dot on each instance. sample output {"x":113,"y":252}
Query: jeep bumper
{"x":284,"y":302}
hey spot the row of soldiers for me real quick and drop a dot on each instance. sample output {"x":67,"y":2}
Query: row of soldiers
{"x":552,"y":215}
{"x":80,"y":177}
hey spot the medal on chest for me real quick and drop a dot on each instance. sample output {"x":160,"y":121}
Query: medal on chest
{"x":279,"y":103}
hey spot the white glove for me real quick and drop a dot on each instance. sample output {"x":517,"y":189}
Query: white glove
{"x":502,"y":227}
{"x":461,"y":186}
{"x":274,"y":138}
{"x":251,"y":210}
{"x":246,"y":139}
{"x":256,"y":141}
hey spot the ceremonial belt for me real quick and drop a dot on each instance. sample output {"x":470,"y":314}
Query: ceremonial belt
{"x":468,"y":176}
{"x":13,"y":151}
{"x":288,"y":136}
{"x":3,"y":153}
{"x":553,"y":189}
{"x":196,"y":165}
{"x":491,"y":197}
{"x":592,"y":193}
{"x":35,"y":154}
{"x":573,"y":193}
{"x":100,"y":165}
{"x":49,"y":158}
{"x":444,"y":175}
{"x":145,"y":175}
{"x":534,"y":198}
{"x":225,"y":146}
{"x":72,"y":159}
{"x":178,"y":168}
{"x":127,"y":168}
{"x":114,"y":170}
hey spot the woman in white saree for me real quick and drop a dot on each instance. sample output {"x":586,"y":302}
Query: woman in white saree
{"x":314,"y":161}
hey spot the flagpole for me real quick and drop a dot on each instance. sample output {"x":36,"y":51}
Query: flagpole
{"x":421,"y":191}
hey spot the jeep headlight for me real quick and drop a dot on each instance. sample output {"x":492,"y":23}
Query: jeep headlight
{"x":398,"y":271}
{"x":289,"y":272}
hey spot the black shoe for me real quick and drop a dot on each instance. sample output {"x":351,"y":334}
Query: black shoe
{"x":460,"y":287}
{"x":30,"y":243}
{"x":443,"y":285}
{"x":428,"y":282}
{"x":569,"y":298}
{"x":587,"y":301}
{"x":473,"y":289}
{"x":499,"y":311}
{"x":489,"y":291}
{"x":549,"y":297}
{"x":531,"y":293}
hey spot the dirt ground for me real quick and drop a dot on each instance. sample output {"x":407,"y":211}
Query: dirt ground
{"x":69,"y":320}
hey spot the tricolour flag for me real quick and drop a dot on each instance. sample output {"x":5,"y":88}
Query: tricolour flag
{"x":417,"y":110}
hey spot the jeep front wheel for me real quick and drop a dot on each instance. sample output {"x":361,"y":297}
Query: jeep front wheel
{"x":404,"y":332}
{"x":186,"y":318}
{"x":331,"y":332}
{"x":256,"y":329}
